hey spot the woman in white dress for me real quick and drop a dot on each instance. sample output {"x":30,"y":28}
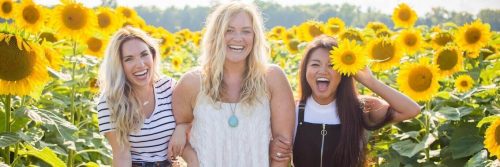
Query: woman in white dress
{"x":235,"y":103}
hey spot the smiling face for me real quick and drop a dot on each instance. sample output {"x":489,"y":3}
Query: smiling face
{"x":137,"y":62}
{"x":239,"y":37}
{"x":321,"y":76}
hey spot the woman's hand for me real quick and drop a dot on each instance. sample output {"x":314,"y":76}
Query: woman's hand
{"x":364,"y":76}
{"x":280,"y":149}
{"x":177,"y":142}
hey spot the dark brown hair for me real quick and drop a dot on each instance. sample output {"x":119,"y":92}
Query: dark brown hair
{"x":350,"y":151}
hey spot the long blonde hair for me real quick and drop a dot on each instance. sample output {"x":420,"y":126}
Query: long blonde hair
{"x":115,"y":88}
{"x":213,"y":49}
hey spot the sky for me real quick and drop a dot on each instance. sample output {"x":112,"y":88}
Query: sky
{"x":385,"y":6}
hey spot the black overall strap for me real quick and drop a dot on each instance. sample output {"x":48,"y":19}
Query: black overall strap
{"x":302,"y":107}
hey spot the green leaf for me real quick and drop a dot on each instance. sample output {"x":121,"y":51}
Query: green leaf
{"x":409,"y":148}
{"x":486,"y":120}
{"x":466,"y":145}
{"x":46,"y":155}
{"x":449,"y":113}
{"x":478,"y":160}
{"x":8,"y":138}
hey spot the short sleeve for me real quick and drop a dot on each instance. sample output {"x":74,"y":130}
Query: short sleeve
{"x":104,"y":117}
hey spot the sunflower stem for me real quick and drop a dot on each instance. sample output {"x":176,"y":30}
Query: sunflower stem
{"x":7,"y":126}
{"x":71,"y":153}
{"x":427,"y":129}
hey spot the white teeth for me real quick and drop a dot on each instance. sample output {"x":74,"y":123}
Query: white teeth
{"x":235,"y":47}
{"x":322,"y":79}
{"x":143,"y":72}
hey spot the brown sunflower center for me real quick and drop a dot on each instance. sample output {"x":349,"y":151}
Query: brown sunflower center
{"x":383,"y":33}
{"x":443,"y":38}
{"x":497,"y":134}
{"x":176,"y":63}
{"x":351,"y":35}
{"x":16,"y":64}
{"x":404,"y":14}
{"x":31,"y":14}
{"x":447,"y":59}
{"x":334,"y":28}
{"x":348,"y":58}
{"x":74,"y":18}
{"x":314,"y":31}
{"x":127,"y":13}
{"x":472,"y":35}
{"x":104,"y":20}
{"x":48,"y":36}
{"x":410,"y":40}
{"x":464,"y":83}
{"x":293,"y":45}
{"x":420,"y":79}
{"x":94,"y":44}
{"x":6,"y":7}
{"x":383,"y":51}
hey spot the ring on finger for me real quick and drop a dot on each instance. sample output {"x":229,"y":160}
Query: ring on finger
{"x":278,"y":154}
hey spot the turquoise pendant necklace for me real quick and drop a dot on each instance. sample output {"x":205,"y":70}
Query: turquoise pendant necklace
{"x":233,"y":120}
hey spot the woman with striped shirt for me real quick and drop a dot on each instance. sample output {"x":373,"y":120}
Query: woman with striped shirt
{"x":134,"y":109}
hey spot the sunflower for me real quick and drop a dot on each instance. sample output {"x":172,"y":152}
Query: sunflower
{"x":107,"y":21}
{"x":488,"y":51}
{"x":411,"y":40}
{"x":48,"y":36}
{"x":95,"y":46}
{"x":419,"y":80}
{"x":348,"y":58}
{"x":449,"y":60}
{"x":22,"y":66}
{"x":376,"y":26}
{"x":279,"y":31}
{"x":73,"y":20}
{"x":441,"y":39}
{"x":473,"y":37}
{"x":334,"y":26}
{"x":7,"y":9}
{"x":492,"y":138}
{"x":177,"y":63}
{"x":52,"y":55}
{"x":404,"y":16}
{"x":384,"y":52}
{"x":30,"y":16}
{"x":464,"y":83}
{"x":351,"y":34}
{"x":384,"y":33}
{"x":293,"y":46}
{"x":311,"y":29}
{"x":126,"y":12}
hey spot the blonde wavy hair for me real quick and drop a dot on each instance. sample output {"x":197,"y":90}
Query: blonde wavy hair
{"x":213,"y":49}
{"x":116,"y":89}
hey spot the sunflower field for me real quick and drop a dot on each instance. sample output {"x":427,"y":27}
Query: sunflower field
{"x":48,"y":88}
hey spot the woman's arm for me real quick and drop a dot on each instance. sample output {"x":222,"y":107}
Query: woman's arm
{"x":282,"y":112}
{"x":404,"y":108}
{"x":190,"y":157}
{"x":121,"y":155}
{"x":183,"y":101}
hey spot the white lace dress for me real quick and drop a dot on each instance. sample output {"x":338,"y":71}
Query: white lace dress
{"x":219,"y":145}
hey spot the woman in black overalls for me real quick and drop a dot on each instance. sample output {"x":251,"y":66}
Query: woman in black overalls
{"x":319,"y":142}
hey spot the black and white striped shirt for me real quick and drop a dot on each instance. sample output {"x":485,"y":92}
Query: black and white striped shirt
{"x":150,"y":143}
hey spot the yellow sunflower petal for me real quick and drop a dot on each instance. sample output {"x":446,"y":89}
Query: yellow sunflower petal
{"x":22,"y":72}
{"x":464,"y":83}
{"x":348,"y":58}
{"x":418,"y":80}
{"x":449,"y":60}
{"x":7,"y":8}
{"x":403,"y":16}
{"x":384,"y":52}
{"x":30,"y":16}
{"x":411,"y":40}
{"x":473,"y":37}
{"x":492,"y":138}
{"x":73,"y":20}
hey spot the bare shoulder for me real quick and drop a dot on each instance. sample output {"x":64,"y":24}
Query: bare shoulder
{"x":275,"y":75}
{"x":189,"y":83}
